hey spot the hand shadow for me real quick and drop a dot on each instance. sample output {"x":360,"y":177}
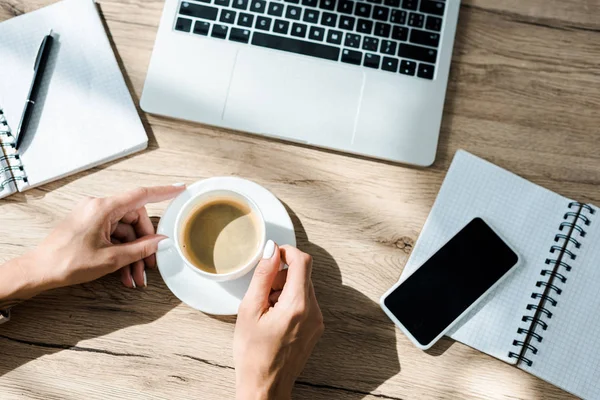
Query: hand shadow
{"x":60,"y":319}
{"x":357,"y":352}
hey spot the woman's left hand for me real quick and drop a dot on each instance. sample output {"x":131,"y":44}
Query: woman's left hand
{"x":100,"y":236}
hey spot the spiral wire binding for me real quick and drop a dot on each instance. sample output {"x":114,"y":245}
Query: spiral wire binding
{"x":10,"y":156}
{"x":555,"y":278}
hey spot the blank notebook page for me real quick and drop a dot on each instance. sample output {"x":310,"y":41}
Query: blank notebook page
{"x":87,"y":117}
{"x":525,"y":215}
{"x":569,"y":355}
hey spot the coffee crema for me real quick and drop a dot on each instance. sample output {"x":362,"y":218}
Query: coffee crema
{"x":221,"y":235}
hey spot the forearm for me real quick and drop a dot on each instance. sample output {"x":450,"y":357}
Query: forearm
{"x":19,"y":280}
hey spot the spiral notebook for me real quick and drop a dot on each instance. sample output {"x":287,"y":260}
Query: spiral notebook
{"x":544,"y":317}
{"x":87,"y":116}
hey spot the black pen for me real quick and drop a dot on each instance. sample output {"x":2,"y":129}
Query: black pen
{"x":38,"y":72}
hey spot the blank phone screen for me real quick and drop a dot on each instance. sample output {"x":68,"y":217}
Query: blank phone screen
{"x":451,"y":281}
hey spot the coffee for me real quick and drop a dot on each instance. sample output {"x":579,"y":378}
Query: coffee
{"x":221,"y":236}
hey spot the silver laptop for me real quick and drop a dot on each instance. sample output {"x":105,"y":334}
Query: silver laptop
{"x":363,"y":77}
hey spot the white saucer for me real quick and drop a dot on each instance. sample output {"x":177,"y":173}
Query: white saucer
{"x":218,"y":298}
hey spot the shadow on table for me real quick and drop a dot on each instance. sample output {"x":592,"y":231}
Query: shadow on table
{"x":63,"y":318}
{"x":357,"y":352}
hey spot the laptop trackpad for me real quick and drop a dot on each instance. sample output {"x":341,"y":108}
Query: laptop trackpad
{"x":293,"y":97}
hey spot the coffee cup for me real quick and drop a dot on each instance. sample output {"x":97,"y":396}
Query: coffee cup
{"x":220,"y":234}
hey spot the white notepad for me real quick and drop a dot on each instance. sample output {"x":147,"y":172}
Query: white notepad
{"x":547,"y":230}
{"x":87,"y":117}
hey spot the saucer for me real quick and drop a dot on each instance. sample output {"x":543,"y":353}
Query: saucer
{"x":218,"y":298}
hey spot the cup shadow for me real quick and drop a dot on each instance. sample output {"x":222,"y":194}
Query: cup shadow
{"x":357,"y":352}
{"x":60,"y":319}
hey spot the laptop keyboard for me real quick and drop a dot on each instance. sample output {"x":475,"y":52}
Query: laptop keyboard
{"x":397,"y":36}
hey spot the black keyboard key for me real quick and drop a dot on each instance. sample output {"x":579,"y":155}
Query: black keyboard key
{"x":388,"y":47}
{"x":311,"y":16}
{"x":316,"y":33}
{"x":263,"y":23}
{"x":327,"y":4}
{"x":375,"y":1}
{"x":432,"y":7}
{"x":408,"y":67}
{"x":425,"y":71}
{"x":258,"y":6}
{"x":417,"y":53}
{"x":346,"y":22}
{"x":224,"y":3}
{"x":364,"y":26}
{"x":328,"y":19}
{"x":381,"y":13}
{"x":240,"y":4}
{"x":293,"y":12}
{"x":183,"y":24}
{"x":433,"y":23}
{"x":227,"y":16}
{"x":398,"y":17}
{"x":425,"y":38}
{"x":351,"y":57}
{"x":198,"y":11}
{"x":345,"y":6}
{"x":392,"y":3}
{"x":400,"y":33}
{"x":334,"y":37}
{"x":371,"y":60}
{"x":299,"y":30}
{"x":245,"y":20}
{"x":275,"y":9}
{"x":352,"y":40}
{"x":389,"y":64}
{"x":239,"y":35}
{"x":363,"y":10}
{"x":201,"y":28}
{"x":310,"y":3}
{"x":382,"y":30}
{"x":416,"y":20}
{"x":295,"y":46}
{"x":281,"y":26}
{"x":371,"y":44}
{"x":219,"y":31}
{"x":292,"y":1}
{"x":410,"y":4}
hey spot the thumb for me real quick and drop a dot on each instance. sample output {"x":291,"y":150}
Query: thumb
{"x":128,"y":253}
{"x":257,"y":296}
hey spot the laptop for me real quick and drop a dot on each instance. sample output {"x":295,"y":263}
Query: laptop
{"x":362,"y":77}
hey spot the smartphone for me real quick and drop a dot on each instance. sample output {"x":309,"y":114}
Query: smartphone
{"x":450,"y":283}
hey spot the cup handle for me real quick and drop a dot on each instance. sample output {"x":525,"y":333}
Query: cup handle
{"x":165,"y":245}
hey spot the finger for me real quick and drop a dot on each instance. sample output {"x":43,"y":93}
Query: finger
{"x":124,"y":233}
{"x":139,"y":274}
{"x":274,"y":297}
{"x":257,"y":296}
{"x":280,"y":279}
{"x":126,"y":277}
{"x":142,"y":226}
{"x":299,"y":271}
{"x":127,"y":253}
{"x":139,"y":197}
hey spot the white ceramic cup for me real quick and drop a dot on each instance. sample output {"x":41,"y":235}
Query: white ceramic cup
{"x":203,"y":198}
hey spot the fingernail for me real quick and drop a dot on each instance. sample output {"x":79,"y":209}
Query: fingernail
{"x":133,"y":282}
{"x":145,"y":279}
{"x":179,"y":184}
{"x":283,"y":266}
{"x":269,"y":249}
{"x":164,"y":244}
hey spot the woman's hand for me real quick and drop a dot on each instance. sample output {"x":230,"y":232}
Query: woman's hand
{"x":279,"y":322}
{"x":103,"y":235}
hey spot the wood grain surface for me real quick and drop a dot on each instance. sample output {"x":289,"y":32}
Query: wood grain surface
{"x":523,"y":93}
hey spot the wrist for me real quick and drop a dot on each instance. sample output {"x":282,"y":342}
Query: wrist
{"x":22,"y":278}
{"x":263,"y":389}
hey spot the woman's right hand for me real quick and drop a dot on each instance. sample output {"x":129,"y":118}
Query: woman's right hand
{"x":279,"y":322}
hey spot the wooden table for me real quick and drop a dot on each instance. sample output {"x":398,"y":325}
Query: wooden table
{"x":523,"y":93}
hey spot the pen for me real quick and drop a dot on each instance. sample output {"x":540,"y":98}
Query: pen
{"x":38,"y":72}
